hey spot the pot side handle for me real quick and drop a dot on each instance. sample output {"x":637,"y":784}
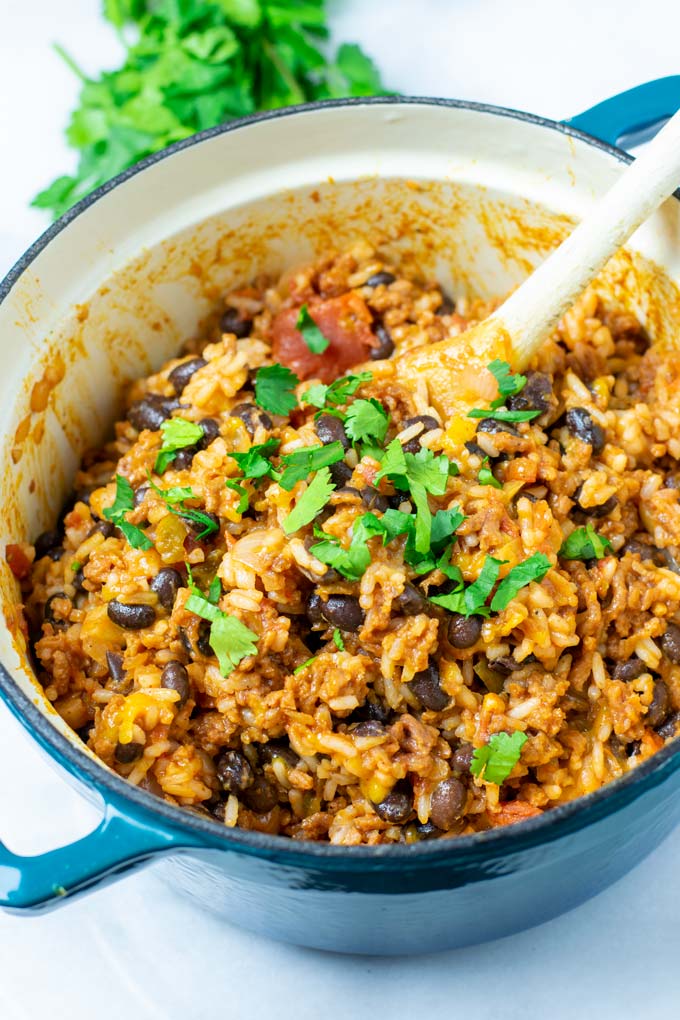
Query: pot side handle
{"x":120,"y":844}
{"x":632,"y":113}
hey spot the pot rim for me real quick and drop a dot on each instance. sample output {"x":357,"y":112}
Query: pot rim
{"x":540,"y":829}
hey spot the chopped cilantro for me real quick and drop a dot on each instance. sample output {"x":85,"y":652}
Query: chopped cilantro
{"x":495,"y":760}
{"x":75,"y":566}
{"x":242,"y":493}
{"x":337,"y":639}
{"x":177,"y":434}
{"x":230,"y":640}
{"x":215,"y":590}
{"x":420,"y":473}
{"x":366,"y":419}
{"x":486,"y":476}
{"x":174,"y":498}
{"x":337,"y":393}
{"x":301,"y":463}
{"x":274,"y":385}
{"x":472,"y":600}
{"x":444,"y":524}
{"x":352,"y":562}
{"x":122,"y":504}
{"x":585,"y":544}
{"x":311,"y":334}
{"x":312,"y":500}
{"x":533,"y":569}
{"x":500,"y":414}
{"x":509,"y":385}
{"x":255,"y":463}
{"x":304,"y":665}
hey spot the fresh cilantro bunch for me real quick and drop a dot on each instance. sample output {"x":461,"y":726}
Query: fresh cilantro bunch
{"x":193,"y":64}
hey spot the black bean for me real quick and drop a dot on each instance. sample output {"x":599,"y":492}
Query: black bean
{"x":105,"y":528}
{"x":411,"y":601}
{"x":504,"y":664}
{"x":383,"y":278}
{"x":151,"y":412}
{"x":461,"y":759}
{"x":199,"y":526}
{"x":261,"y":795}
{"x":181,"y":375}
{"x":131,"y":615}
{"x":203,"y":640}
{"x":374,"y":500}
{"x":166,"y":584}
{"x":234,"y":772}
{"x":175,"y":678}
{"x":252,"y":417}
{"x":670,"y":727}
{"x":427,"y":830}
{"x":340,"y":472}
{"x":397,"y":805}
{"x":273,"y":749}
{"x":670,"y":643}
{"x":579,"y":512}
{"x":447,"y":307}
{"x":385,"y":345}
{"x":56,"y":553}
{"x":368,"y":728}
{"x":672,"y":481}
{"x":447,"y":803}
{"x":127,"y":753}
{"x":115,"y":663}
{"x":426,"y":687}
{"x":658,"y":708}
{"x":370,"y":711}
{"x":78,"y":579}
{"x":428,"y":423}
{"x":46,"y":542}
{"x":211,"y":431}
{"x":493,"y":427}
{"x":475,"y":449}
{"x":642,"y":549}
{"x":342,"y":611}
{"x":535,"y":396}
{"x":233,"y":322}
{"x":85,"y":732}
{"x":629,"y":670}
{"x":330,"y":429}
{"x":580,"y":423}
{"x":48,"y":611}
{"x":464,"y":631}
{"x":183,"y":458}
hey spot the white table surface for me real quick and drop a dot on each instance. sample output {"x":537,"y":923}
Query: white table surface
{"x":136,"y":949}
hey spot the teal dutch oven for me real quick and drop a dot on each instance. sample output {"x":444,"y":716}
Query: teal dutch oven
{"x":479,"y":195}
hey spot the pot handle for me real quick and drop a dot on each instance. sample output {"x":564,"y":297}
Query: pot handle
{"x":634,"y":112}
{"x":119,"y":844}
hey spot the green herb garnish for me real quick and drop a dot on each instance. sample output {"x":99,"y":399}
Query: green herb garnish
{"x":122,"y":504}
{"x":304,"y":665}
{"x":471,"y":600}
{"x":193,"y":64}
{"x":177,"y":433}
{"x":312,"y":500}
{"x":418,"y":473}
{"x":174,"y":498}
{"x":75,"y":566}
{"x":486,"y":476}
{"x":509,"y":385}
{"x":500,"y":414}
{"x":230,"y":640}
{"x":495,"y":760}
{"x":300,"y":464}
{"x":337,"y":639}
{"x":337,"y":392}
{"x":256,"y":463}
{"x":242,"y":493}
{"x":311,"y":334}
{"x":352,"y":562}
{"x":533,"y":569}
{"x":585,"y":544}
{"x":274,"y":386}
{"x":366,"y":419}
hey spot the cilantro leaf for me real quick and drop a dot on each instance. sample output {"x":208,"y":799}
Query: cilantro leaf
{"x":337,"y":392}
{"x":304,"y":665}
{"x":472,"y":600}
{"x":274,"y":385}
{"x":500,"y":414}
{"x":495,"y":760}
{"x":352,"y":562}
{"x":124,"y":502}
{"x":337,"y":639}
{"x":177,"y":434}
{"x":215,"y":590}
{"x":393,"y":464}
{"x":486,"y":476}
{"x":230,"y":640}
{"x":366,"y":419}
{"x":242,"y":493}
{"x":174,"y":498}
{"x":300,"y":463}
{"x":444,"y":524}
{"x":311,"y":334}
{"x":533,"y":569}
{"x":312,"y":500}
{"x":509,"y":385}
{"x":585,"y":544}
{"x":255,"y":463}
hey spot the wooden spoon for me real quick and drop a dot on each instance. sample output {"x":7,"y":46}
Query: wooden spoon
{"x":455,"y":369}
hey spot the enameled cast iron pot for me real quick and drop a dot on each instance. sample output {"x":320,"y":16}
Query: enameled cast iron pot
{"x":478,"y":195}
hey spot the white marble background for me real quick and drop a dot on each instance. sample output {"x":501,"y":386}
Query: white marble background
{"x":135,"y":950}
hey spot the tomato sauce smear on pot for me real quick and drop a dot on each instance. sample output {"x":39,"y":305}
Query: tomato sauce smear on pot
{"x":345,"y":321}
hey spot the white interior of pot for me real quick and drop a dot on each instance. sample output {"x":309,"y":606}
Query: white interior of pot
{"x":471,"y":198}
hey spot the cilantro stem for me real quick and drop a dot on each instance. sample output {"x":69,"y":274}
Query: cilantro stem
{"x":70,"y":62}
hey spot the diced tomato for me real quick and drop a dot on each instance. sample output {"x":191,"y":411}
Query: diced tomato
{"x":514,"y":811}
{"x":19,"y":562}
{"x":345,"y":321}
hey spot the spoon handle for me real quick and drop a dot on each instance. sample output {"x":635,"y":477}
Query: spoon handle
{"x":533,"y":311}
